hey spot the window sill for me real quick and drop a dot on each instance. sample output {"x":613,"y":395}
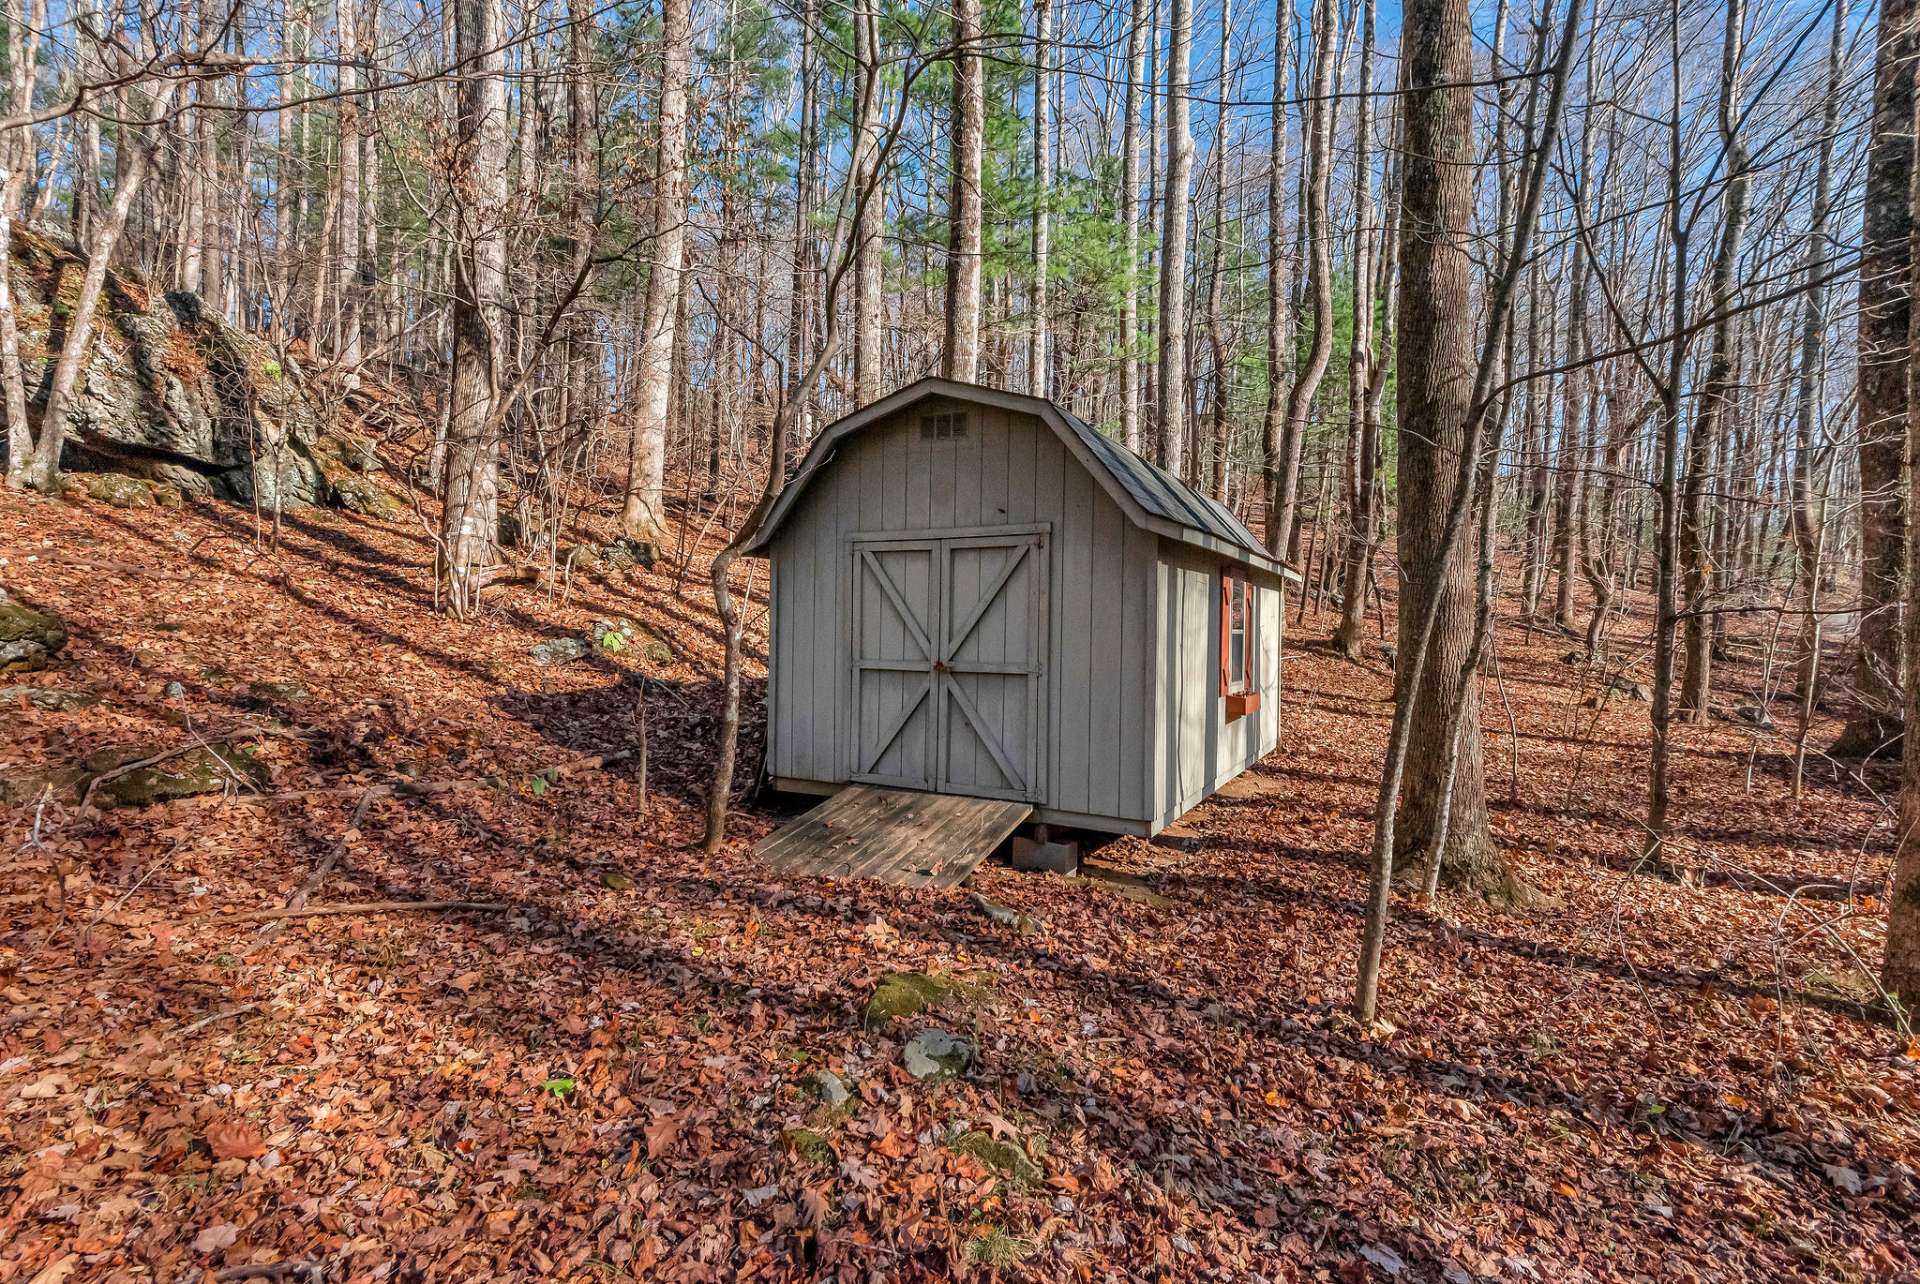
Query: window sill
{"x":1239,"y":706}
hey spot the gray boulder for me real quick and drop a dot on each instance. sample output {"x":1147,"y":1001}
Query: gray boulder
{"x":167,"y":391}
{"x":936,"y":1054}
{"x":46,"y":699}
{"x":29,"y":638}
{"x":560,"y":650}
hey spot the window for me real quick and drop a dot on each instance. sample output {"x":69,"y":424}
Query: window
{"x":945,"y":427}
{"x":1237,"y":645}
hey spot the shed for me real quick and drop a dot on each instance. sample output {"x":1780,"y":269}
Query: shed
{"x":974,"y":593}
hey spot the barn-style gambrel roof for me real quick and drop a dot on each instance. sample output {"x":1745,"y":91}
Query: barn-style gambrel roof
{"x":1152,"y":498}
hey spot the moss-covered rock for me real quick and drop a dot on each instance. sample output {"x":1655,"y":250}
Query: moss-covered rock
{"x":1003,"y":1157}
{"x":808,"y":1145}
{"x":830,"y":1088}
{"x":115,"y":489}
{"x":45,"y":699}
{"x":358,"y":495}
{"x":278,"y":693}
{"x":626,"y":553}
{"x":344,"y":461}
{"x":348,"y":450}
{"x":936,"y":1054}
{"x":167,"y":389}
{"x":906,"y":994}
{"x":20,"y":786}
{"x":29,"y":638}
{"x":184,"y":775}
{"x":165,"y":493}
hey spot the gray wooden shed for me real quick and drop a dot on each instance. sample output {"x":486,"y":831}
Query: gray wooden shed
{"x":975,"y":593}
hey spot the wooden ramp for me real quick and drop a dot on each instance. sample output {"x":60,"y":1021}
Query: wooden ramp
{"x":897,"y":836}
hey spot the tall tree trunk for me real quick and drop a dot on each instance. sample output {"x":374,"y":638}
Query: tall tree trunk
{"x":16,"y":167}
{"x":1900,"y":965}
{"x":1319,"y":238}
{"x":642,"y":517}
{"x":1039,"y":350}
{"x":1885,"y":348}
{"x":1176,"y":209}
{"x":1222,"y":380}
{"x":1138,"y":28}
{"x":347,"y":157}
{"x":1810,"y":457}
{"x":1575,"y":391}
{"x":1537,"y":489}
{"x":962,"y":357}
{"x":469,"y":522}
{"x":800,"y":299}
{"x":1436,"y":380}
{"x":871,"y":251}
{"x":1667,"y":529}
{"x":1717,"y":390}
{"x":87,"y":162}
{"x":1362,"y":429}
{"x":1279,"y":284}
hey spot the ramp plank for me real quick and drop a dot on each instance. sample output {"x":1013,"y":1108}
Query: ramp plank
{"x":897,"y":836}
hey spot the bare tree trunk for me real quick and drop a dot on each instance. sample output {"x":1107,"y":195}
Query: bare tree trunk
{"x":1900,"y":965}
{"x":1137,"y":30}
{"x":1362,"y":428}
{"x":1435,"y":453}
{"x":1575,"y":389}
{"x":962,"y":359}
{"x":1809,"y":515}
{"x":1319,"y":238}
{"x":1718,"y":388}
{"x":1222,"y":373}
{"x":871,"y":254}
{"x":1039,"y":351}
{"x":469,"y":524}
{"x":642,"y":516}
{"x":1536,"y":489}
{"x":1667,"y":530}
{"x":1885,"y":347}
{"x":16,"y":166}
{"x":346,"y":336}
{"x":1279,"y":287}
{"x":1442,"y":398}
{"x":800,"y":300}
{"x":87,"y":163}
{"x":1171,"y":443}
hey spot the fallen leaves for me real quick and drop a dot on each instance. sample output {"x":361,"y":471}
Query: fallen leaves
{"x":235,"y":1139}
{"x":594,"y":1079}
{"x":215,"y":1238}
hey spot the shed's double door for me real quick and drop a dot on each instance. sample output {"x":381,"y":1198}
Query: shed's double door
{"x":949,"y":641}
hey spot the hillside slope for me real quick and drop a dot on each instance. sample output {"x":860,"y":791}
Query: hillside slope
{"x":611,"y":1070}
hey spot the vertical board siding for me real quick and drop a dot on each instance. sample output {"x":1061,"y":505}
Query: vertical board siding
{"x":1009,"y":469}
{"x":1197,"y":749}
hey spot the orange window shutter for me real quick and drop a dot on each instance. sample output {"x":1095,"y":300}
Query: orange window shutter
{"x":1226,"y":632}
{"x":1246,"y":649}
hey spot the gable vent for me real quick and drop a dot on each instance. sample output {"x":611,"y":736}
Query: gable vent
{"x":947,"y":427}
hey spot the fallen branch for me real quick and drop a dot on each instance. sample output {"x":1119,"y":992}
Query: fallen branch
{"x":310,"y":1272}
{"x":221,"y":1015}
{"x":313,"y":880}
{"x":373,"y":907}
{"x":198,"y":742}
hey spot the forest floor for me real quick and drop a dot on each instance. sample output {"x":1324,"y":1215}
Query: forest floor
{"x":609,"y":1077}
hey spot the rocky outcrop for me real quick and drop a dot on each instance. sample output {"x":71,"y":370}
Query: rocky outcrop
{"x":29,"y":638}
{"x":172,"y":394}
